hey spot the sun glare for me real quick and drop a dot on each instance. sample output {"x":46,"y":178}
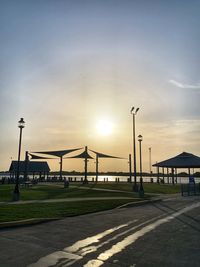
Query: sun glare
{"x":104,"y":127}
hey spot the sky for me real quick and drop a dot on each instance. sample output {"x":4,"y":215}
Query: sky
{"x":67,"y":66}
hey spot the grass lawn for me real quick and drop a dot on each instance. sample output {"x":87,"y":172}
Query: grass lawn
{"x":148,"y":187}
{"x":10,"y":213}
{"x":14,"y":212}
{"x":41,"y":192}
{"x":53,"y":191}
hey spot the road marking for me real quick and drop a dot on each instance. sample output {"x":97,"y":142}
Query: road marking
{"x":67,"y":253}
{"x":94,"y":239}
{"x":118,"y":247}
{"x":89,"y":249}
{"x":83,"y":247}
{"x":79,"y":249}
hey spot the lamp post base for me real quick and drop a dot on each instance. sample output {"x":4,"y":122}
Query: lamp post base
{"x":135,"y":187}
{"x":141,"y":188}
{"x":16,"y":196}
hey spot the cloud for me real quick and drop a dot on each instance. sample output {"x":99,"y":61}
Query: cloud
{"x":185,"y":86}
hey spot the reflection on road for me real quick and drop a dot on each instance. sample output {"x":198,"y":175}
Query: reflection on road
{"x":78,"y":250}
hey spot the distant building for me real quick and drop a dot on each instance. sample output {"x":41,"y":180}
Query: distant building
{"x":33,"y":168}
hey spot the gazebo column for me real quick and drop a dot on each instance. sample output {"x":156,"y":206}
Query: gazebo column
{"x":168,"y":175}
{"x":163,"y":173}
{"x":172,"y":175}
{"x":189,"y":173}
{"x":176,"y":175}
{"x":158,"y":181}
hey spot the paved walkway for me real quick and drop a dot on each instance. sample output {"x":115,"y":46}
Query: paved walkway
{"x":72,"y":199}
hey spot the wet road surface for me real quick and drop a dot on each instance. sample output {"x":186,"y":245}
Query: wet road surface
{"x":159,"y":234}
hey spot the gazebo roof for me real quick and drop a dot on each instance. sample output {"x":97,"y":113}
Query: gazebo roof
{"x":32,"y":166}
{"x":183,"y":160}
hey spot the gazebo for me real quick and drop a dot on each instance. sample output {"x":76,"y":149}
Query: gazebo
{"x":28,"y":167}
{"x":182,"y":161}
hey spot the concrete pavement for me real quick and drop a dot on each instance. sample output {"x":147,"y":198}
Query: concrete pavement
{"x":159,"y":234}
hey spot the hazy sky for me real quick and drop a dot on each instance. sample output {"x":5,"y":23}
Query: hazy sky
{"x":66,"y":65}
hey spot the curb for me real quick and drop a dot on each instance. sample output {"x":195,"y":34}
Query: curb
{"x":27,"y":222}
{"x":139,"y":203}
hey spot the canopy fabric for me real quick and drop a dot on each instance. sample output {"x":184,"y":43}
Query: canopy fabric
{"x":58,"y":153}
{"x":83,"y":155}
{"x":101,"y":155}
{"x":183,"y":160}
{"x":38,"y":157}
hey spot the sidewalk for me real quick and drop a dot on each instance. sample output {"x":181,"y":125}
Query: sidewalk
{"x":62,"y":200}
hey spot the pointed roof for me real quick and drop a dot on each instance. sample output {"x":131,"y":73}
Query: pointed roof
{"x":183,"y":160}
{"x":101,"y":155}
{"x":32,"y":166}
{"x":58,"y":153}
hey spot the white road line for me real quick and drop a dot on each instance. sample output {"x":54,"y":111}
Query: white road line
{"x":94,"y":239}
{"x":118,"y":247}
{"x":78,"y":250}
{"x":91,"y":249}
{"x":67,"y":253}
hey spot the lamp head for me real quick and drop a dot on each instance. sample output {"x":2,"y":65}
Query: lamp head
{"x":140,"y":138}
{"x":136,"y":110}
{"x":21,"y":123}
{"x":132,"y":109}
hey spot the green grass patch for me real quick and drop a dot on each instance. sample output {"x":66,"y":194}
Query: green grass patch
{"x":56,"y":191}
{"x":148,"y":187}
{"x":17,"y":212}
{"x":162,"y":188}
{"x":43,"y":192}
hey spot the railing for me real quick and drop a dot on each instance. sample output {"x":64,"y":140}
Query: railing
{"x":190,"y":189}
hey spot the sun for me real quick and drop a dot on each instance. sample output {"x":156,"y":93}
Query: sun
{"x":104,"y":127}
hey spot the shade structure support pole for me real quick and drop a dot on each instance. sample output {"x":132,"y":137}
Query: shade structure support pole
{"x":97,"y":167}
{"x":61,"y":163}
{"x":86,"y":161}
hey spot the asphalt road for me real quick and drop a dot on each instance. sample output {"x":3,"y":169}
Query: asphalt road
{"x":160,"y":234}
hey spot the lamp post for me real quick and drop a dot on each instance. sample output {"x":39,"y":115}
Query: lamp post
{"x":141,"y":189}
{"x":150,"y":170}
{"x":135,"y":187}
{"x":16,"y":193}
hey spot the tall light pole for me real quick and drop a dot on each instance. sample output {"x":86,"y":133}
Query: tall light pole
{"x":16,"y":193}
{"x":141,"y":189}
{"x":150,"y":162}
{"x":135,"y":187}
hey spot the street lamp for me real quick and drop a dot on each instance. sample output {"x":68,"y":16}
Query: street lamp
{"x":16,"y":194}
{"x":150,"y":171}
{"x":141,"y":189}
{"x":135,"y":187}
